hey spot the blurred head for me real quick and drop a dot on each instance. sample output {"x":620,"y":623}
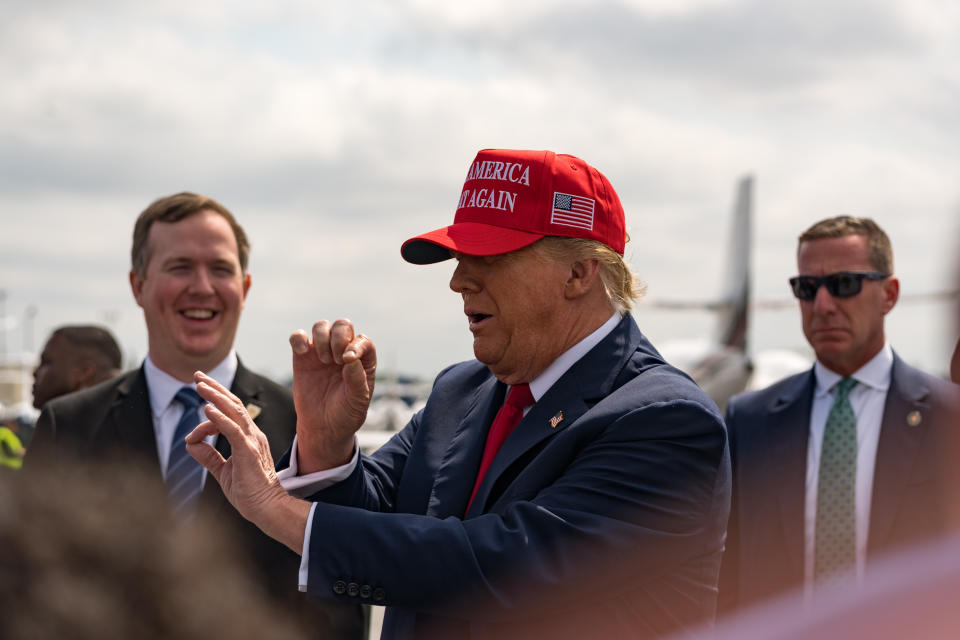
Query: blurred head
{"x":847,"y":331}
{"x":75,"y":357}
{"x":86,"y":556}
{"x":189,"y":275}
{"x":539,"y":240}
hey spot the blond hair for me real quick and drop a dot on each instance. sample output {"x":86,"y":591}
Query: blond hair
{"x":621,"y":285}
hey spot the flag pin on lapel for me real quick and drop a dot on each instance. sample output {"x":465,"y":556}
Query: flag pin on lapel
{"x":557,"y":419}
{"x":914,"y":418}
{"x":253,"y":410}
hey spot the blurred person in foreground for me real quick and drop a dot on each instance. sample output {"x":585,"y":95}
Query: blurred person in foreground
{"x":75,"y":357}
{"x":834,"y":467}
{"x":93,"y":559}
{"x":568,"y":483}
{"x":189,"y":274}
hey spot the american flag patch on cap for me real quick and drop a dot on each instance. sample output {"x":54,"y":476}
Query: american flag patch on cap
{"x":572,"y":211}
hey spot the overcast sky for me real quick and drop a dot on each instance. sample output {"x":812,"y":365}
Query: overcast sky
{"x":334,"y":131}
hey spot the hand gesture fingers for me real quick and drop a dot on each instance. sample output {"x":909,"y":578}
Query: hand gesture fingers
{"x":334,"y":369}
{"x":248,"y":478}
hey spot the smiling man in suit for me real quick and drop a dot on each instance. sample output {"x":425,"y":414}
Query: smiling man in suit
{"x":851,"y":459}
{"x":189,"y":275}
{"x":568,"y":483}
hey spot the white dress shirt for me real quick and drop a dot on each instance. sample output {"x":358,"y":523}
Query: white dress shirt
{"x":309,"y":484}
{"x":167,"y":411}
{"x":867,"y":399}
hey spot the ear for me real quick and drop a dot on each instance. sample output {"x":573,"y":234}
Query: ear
{"x":891,"y":293}
{"x":81,"y":374}
{"x":583,"y":277}
{"x":136,"y":286}
{"x":246,"y":285}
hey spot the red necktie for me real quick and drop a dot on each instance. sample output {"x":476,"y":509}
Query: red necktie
{"x":518,"y":398}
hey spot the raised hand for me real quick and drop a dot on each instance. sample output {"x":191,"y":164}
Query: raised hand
{"x":333,"y":377}
{"x":247,"y":477}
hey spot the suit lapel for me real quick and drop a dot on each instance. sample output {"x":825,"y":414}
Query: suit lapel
{"x":589,"y":379}
{"x":131,"y":419}
{"x":787,"y":432}
{"x":897,"y":449}
{"x":457,"y":473}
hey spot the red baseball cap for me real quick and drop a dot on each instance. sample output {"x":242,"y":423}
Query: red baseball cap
{"x":512,"y":198}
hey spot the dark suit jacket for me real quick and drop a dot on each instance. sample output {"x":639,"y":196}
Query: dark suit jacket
{"x":769,"y":429}
{"x":608,"y":524}
{"x":115,"y":419}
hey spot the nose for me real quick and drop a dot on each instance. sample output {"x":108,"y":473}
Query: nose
{"x":463,"y":280}
{"x":823,"y":301}
{"x":201,"y":282}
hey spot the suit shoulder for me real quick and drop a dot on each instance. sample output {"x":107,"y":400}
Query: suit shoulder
{"x":93,"y":397}
{"x":467,"y":373}
{"x":664,"y":384}
{"x":760,"y":398}
{"x":941,"y":392}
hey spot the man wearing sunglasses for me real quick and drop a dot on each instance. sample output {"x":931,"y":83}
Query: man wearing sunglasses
{"x":837,"y":465}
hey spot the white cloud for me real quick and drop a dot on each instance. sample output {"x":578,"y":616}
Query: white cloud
{"x":335,"y":132}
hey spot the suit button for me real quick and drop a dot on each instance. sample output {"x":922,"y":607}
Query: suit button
{"x":353,"y":589}
{"x":379,"y":594}
{"x":339,"y":587}
{"x":365,"y":591}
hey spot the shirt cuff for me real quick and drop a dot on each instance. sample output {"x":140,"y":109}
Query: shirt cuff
{"x":304,"y":560}
{"x":303,"y":486}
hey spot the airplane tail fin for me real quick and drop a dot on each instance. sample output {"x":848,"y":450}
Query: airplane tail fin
{"x":733,"y":317}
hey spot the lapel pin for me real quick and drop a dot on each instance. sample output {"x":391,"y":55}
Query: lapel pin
{"x":253,"y":410}
{"x":557,"y":419}
{"x":914,"y":418}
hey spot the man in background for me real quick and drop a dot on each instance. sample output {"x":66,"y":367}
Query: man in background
{"x":75,"y":357}
{"x":189,"y":275}
{"x":838,"y":465}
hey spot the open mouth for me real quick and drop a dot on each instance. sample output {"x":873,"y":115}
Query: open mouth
{"x":476,"y":319}
{"x":198,"y":314}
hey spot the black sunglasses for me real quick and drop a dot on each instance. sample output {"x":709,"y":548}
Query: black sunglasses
{"x":842,"y":284}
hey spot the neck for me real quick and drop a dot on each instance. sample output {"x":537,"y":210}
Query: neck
{"x":183,"y":370}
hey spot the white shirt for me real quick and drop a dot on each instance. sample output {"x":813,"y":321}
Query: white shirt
{"x":167,"y":411}
{"x":867,"y":399}
{"x":311,"y":483}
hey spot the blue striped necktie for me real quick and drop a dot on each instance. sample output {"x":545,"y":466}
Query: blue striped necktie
{"x":183,"y":472}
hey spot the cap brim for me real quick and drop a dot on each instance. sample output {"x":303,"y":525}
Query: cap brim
{"x":470,"y":238}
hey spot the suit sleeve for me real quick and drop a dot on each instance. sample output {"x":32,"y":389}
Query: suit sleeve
{"x":727,"y":601}
{"x":637,"y":499}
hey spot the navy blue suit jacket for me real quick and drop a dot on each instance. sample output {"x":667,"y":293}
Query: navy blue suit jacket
{"x":610,"y":523}
{"x":769,"y":429}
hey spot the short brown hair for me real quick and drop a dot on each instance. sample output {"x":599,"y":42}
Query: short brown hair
{"x":878,"y":244}
{"x":174,"y":209}
{"x":620,"y":284}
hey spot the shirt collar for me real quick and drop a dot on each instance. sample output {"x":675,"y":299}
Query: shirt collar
{"x":163,"y":387}
{"x":542,"y":383}
{"x":875,"y":374}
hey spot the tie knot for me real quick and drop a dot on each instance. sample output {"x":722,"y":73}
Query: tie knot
{"x":189,"y":398}
{"x":519,"y":396}
{"x":844,"y":387}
